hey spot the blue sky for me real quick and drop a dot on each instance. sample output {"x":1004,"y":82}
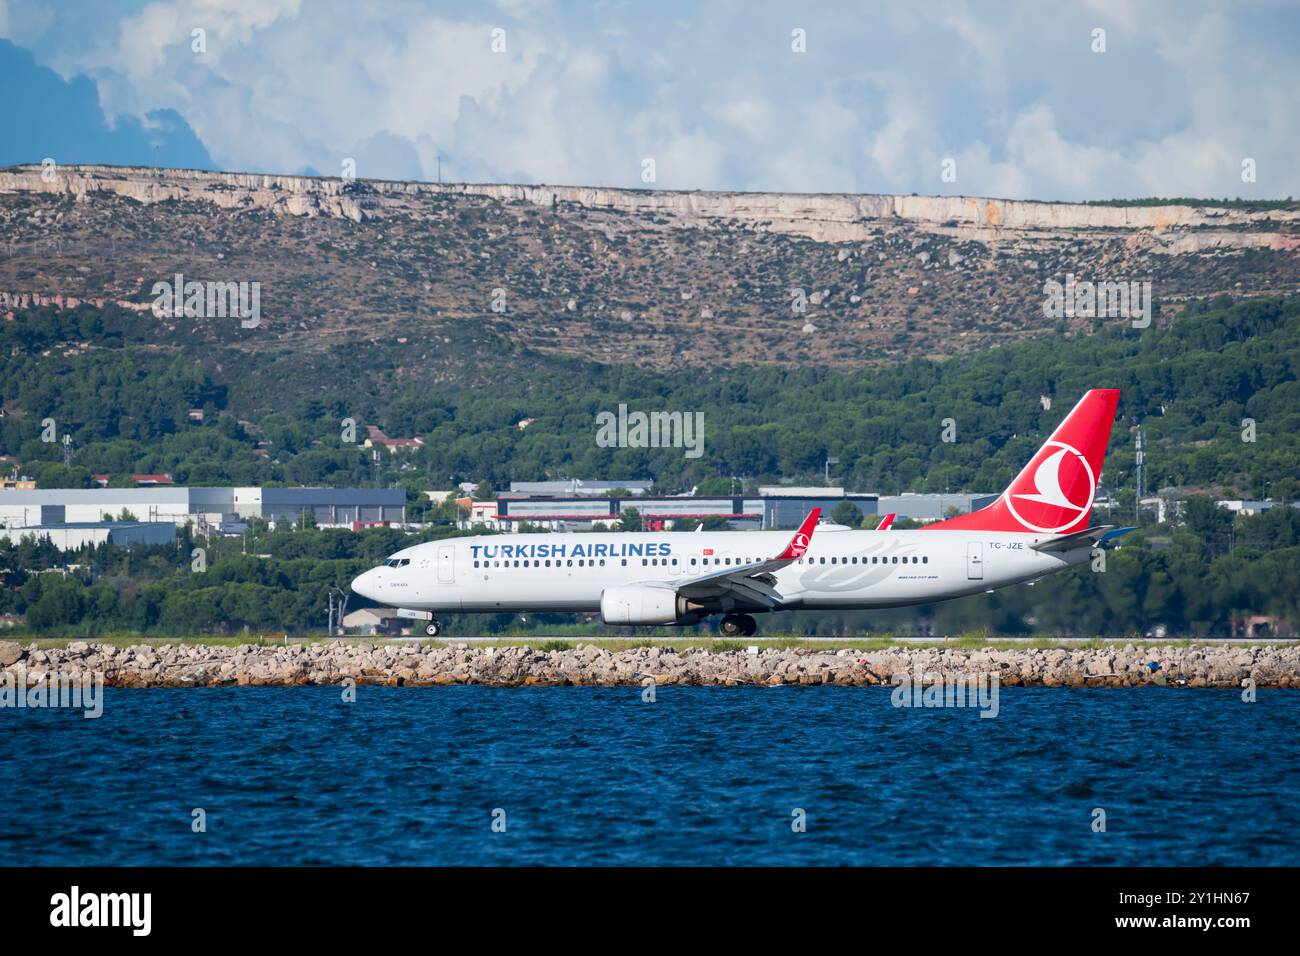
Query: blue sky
{"x":1013,"y":94}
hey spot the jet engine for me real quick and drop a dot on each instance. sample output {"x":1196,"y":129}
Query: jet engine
{"x":638,"y":604}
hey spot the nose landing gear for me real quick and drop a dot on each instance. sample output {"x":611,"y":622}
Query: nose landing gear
{"x":737,"y":625}
{"x":433,"y":628}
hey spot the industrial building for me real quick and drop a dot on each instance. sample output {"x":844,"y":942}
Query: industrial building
{"x":214,"y":508}
{"x":75,"y":536}
{"x":773,"y":507}
{"x":931,"y":507}
{"x":576,"y":487}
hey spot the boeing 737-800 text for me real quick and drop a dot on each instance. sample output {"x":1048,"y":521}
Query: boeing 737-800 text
{"x":1040,"y":524}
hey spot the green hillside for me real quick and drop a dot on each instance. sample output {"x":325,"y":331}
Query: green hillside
{"x":125,"y":399}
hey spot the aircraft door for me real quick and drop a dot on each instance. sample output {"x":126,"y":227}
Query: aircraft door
{"x":446,"y":563}
{"x":975,"y":561}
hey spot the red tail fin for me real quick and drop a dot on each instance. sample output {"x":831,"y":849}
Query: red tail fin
{"x":1053,"y":493}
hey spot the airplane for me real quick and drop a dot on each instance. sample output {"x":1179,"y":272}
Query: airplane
{"x":1039,"y":525}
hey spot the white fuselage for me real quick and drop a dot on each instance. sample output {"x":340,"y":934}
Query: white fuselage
{"x":842,"y":569}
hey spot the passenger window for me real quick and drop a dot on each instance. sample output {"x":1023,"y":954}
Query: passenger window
{"x":548,"y":563}
{"x":925,"y":560}
{"x":674,"y":562}
{"x":624,"y":562}
{"x":476,"y":564}
{"x":832,"y":560}
{"x":602,"y":562}
{"x":692,"y":560}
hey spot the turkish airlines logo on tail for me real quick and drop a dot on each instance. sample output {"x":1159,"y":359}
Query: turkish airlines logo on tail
{"x":798,"y":545}
{"x":1058,"y":490}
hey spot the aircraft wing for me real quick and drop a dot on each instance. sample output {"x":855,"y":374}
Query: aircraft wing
{"x":1098,"y":535}
{"x":752,"y":582}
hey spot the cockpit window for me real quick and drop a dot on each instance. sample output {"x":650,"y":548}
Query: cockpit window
{"x":397,"y":562}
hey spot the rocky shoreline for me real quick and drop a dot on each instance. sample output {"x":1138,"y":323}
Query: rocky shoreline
{"x":333,"y":663}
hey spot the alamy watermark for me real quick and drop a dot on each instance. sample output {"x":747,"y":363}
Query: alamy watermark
{"x":651,"y":430}
{"x":208,"y":300}
{"x":82,"y":691}
{"x":129,"y":910}
{"x":923,"y":690}
{"x":1098,"y":300}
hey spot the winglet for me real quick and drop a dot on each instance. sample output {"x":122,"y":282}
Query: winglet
{"x":887,"y":522}
{"x":802,"y":538}
{"x":1114,"y":533}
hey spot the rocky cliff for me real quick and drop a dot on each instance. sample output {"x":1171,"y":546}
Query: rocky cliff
{"x":820,"y":217}
{"x":638,"y":276}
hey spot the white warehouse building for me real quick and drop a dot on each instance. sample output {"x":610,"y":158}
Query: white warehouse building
{"x":75,"y":536}
{"x":25,"y":508}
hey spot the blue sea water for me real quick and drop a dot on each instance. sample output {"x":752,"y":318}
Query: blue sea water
{"x":699,"y":776}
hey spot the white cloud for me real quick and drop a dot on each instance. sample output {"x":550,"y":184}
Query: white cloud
{"x":1183,"y":92}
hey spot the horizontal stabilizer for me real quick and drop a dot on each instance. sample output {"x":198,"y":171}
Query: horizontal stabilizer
{"x":1082,"y":539}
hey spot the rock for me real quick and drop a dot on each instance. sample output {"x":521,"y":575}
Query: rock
{"x":587,"y":664}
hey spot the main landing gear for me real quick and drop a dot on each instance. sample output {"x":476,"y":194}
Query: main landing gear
{"x":738,"y":625}
{"x":433,"y":628}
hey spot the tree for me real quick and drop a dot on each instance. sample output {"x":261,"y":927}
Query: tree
{"x":1286,"y":490}
{"x":629,"y":520}
{"x":1209,"y":522}
{"x":706,"y":523}
{"x":846,"y":512}
{"x":719,"y":487}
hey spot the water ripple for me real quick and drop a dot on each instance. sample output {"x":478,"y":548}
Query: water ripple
{"x":701,"y":776}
